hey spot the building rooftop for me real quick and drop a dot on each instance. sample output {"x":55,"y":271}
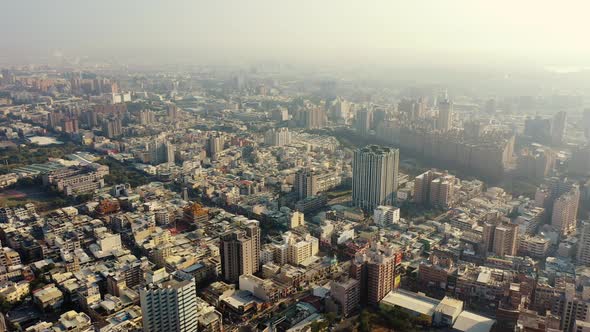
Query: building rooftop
{"x":413,"y":301}
{"x":450,"y":306}
{"x":470,"y":322}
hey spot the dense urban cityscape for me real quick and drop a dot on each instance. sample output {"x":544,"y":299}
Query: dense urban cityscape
{"x":276,"y":197}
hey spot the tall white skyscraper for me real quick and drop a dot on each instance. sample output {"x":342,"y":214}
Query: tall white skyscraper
{"x":170,"y":306}
{"x":374,"y":176}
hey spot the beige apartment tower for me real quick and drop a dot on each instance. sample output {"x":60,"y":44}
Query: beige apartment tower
{"x":505,"y":240}
{"x":565,"y":211}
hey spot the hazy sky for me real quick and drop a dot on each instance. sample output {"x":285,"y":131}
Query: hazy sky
{"x":545,"y":32}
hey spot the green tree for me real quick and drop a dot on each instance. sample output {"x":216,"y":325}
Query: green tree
{"x":365,"y":321}
{"x":330,"y":317}
{"x":318,"y":326}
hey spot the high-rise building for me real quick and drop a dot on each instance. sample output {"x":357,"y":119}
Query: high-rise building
{"x":505,"y":240}
{"x":54,"y":119}
{"x":572,"y":307}
{"x":445,"y":115}
{"x":537,"y":163}
{"x":422,"y":187}
{"x":214,"y":146}
{"x":560,"y":198}
{"x":442,"y":191}
{"x":435,"y":188}
{"x":565,"y":211}
{"x":558,"y":125}
{"x":172,"y":112}
{"x":388,"y":131}
{"x":376,"y":271}
{"x":347,"y":294}
{"x":489,"y":228}
{"x":161,"y":151}
{"x":312,"y":118}
{"x":240,"y":251}
{"x":169,"y":150}
{"x":558,"y":186}
{"x":364,"y":121}
{"x":380,"y":115}
{"x":235,"y":250}
{"x":280,"y":115}
{"x":305,"y":184}
{"x":169,"y":306}
{"x":277,"y":137}
{"x":473,"y":129}
{"x":75,"y":85}
{"x":583,"y":255}
{"x":90,"y":119}
{"x":374,"y":176}
{"x":70,"y":125}
{"x":538,"y":129}
{"x":252,"y":229}
{"x":579,"y":164}
{"x":412,"y":109}
{"x":342,"y":110}
{"x":112,"y":127}
{"x":97,"y":84}
{"x":146,"y":117}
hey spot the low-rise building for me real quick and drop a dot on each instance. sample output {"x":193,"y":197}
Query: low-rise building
{"x":48,"y":297}
{"x":431,"y":311}
{"x":12,"y":292}
{"x":534,"y":246}
{"x":8,"y":179}
{"x":77,"y":179}
{"x":386,"y":215}
{"x":73,"y":321}
{"x":263,"y":289}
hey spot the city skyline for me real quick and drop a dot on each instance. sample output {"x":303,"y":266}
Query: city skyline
{"x":309,"y":166}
